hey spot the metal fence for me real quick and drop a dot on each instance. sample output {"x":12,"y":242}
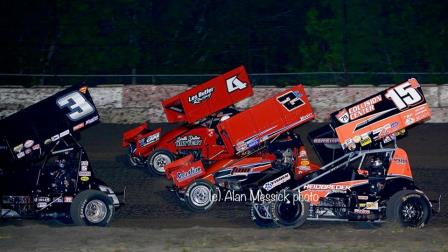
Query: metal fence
{"x":274,"y":79}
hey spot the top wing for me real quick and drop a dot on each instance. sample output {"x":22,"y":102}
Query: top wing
{"x":381,"y":115}
{"x":209,"y":97}
{"x":35,"y":127}
{"x":266,"y":120}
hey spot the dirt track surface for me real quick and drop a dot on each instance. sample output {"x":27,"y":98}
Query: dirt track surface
{"x":154,"y":219}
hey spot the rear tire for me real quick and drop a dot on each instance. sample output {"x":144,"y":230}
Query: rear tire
{"x":91,"y":208}
{"x":157,"y":160}
{"x":408,"y":208}
{"x":289,"y":211}
{"x":200,"y":196}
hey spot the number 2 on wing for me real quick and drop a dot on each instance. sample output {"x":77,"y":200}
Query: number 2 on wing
{"x":290,"y":100}
{"x":78,"y":105}
{"x":403,"y":95}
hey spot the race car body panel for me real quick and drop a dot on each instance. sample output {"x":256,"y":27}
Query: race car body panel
{"x":30,"y":132}
{"x":266,"y":120}
{"x":381,"y":115}
{"x":209,"y":97}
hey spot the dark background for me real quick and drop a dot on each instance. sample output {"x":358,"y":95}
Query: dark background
{"x":128,"y":37}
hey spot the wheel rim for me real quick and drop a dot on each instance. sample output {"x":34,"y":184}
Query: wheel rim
{"x":200,"y":196}
{"x":160,"y":161}
{"x":288,"y":209}
{"x":411,"y":212}
{"x":95,"y":211}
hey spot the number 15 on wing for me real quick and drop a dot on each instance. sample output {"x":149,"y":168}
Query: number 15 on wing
{"x":404,"y":95}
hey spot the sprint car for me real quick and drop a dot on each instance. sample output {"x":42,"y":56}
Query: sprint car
{"x":192,"y":116}
{"x":366,"y":177}
{"x":264,"y":153}
{"x":44,"y":171}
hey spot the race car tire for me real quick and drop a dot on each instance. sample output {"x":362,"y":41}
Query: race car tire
{"x":289,"y":210}
{"x":408,"y":208}
{"x":259,"y":221}
{"x":91,"y":208}
{"x":200,"y":196}
{"x":157,"y":160}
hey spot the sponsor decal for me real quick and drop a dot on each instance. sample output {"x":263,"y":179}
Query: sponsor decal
{"x":363,"y":197}
{"x":68,"y":199}
{"x":21,"y":154}
{"x":18,"y":148}
{"x":241,"y":146}
{"x":326,"y":140}
{"x":252,"y":142}
{"x":410,"y":120}
{"x":326,"y":187}
{"x":400,"y":161}
{"x":42,"y":204}
{"x":85,"y":173}
{"x":190,"y":140}
{"x":150,"y":139}
{"x":28,"y":143}
{"x":43,"y":199}
{"x":305,"y":162}
{"x":365,"y":141}
{"x":304,"y":168}
{"x":78,"y":127}
{"x":306,"y":117}
{"x":36,"y":147}
{"x":276,"y":182}
{"x":356,"y":139}
{"x":201,"y":96}
{"x":28,"y":151}
{"x":58,"y":200}
{"x":361,"y":211}
{"x":84,"y":165}
{"x":343,"y":116}
{"x":372,"y":205}
{"x":181,"y":176}
{"x":84,"y":178}
{"x":364,"y":108}
{"x":92,"y":120}
{"x":47,"y":141}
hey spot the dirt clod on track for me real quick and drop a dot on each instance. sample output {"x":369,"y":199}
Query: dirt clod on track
{"x":153,"y":219}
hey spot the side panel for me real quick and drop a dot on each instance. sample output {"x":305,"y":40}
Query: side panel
{"x":32,"y":129}
{"x":209,"y":97}
{"x":266,"y":120}
{"x":381,"y":115}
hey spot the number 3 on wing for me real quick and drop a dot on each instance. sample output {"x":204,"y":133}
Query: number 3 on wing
{"x":403,"y":95}
{"x":78,"y":105}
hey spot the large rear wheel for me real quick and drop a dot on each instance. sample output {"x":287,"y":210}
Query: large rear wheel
{"x":408,"y":208}
{"x":91,"y":208}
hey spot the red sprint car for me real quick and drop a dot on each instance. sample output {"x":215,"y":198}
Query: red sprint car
{"x":192,"y":116}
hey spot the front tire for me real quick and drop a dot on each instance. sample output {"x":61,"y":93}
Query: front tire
{"x":157,"y":160}
{"x":408,"y":208}
{"x":200,"y":196}
{"x":91,"y":208}
{"x":289,"y":210}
